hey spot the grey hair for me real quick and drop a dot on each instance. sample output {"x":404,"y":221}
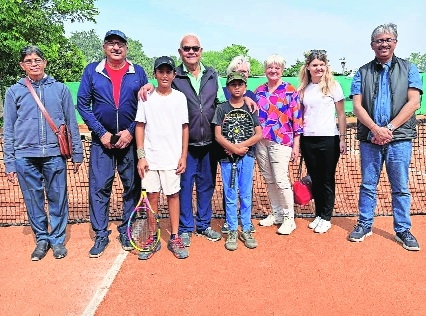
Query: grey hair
{"x":31,"y":49}
{"x":274,"y":59}
{"x":388,"y":28}
{"x":238,"y":60}
{"x":189,"y":35}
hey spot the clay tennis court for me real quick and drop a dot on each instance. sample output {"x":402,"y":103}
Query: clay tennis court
{"x":301,"y":274}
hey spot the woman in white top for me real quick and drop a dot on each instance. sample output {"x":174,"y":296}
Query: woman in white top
{"x":322,"y":141}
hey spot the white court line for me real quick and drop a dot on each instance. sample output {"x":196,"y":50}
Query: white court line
{"x":105,"y":285}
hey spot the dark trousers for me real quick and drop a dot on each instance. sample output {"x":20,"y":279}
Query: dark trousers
{"x":201,"y":166}
{"x":321,"y":154}
{"x":102,"y":166}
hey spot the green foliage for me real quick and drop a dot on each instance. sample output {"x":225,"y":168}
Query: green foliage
{"x":89,"y":43}
{"x":138,"y":56}
{"x":220,"y":59}
{"x":293,"y":70}
{"x":256,"y":67}
{"x":419,"y":60}
{"x":40,"y":22}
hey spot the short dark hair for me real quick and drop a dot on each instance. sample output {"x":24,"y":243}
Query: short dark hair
{"x":31,"y":49}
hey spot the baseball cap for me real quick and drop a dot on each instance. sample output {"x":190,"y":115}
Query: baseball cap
{"x":235,"y":75}
{"x":164,"y":60}
{"x":116,"y":33}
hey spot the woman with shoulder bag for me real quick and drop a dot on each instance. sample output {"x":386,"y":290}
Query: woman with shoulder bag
{"x":322,"y":142}
{"x":32,"y":153}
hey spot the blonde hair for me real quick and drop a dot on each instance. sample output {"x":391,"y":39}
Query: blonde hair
{"x":327,"y":81}
{"x":236,"y":61}
{"x":274,"y":60}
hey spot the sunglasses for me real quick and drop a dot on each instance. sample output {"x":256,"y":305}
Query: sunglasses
{"x":318,"y":52}
{"x":187,"y":49}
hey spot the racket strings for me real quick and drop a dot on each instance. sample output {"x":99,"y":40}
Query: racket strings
{"x":143,"y":229}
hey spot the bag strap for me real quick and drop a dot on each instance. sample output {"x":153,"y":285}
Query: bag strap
{"x":41,"y":106}
{"x":299,"y":171}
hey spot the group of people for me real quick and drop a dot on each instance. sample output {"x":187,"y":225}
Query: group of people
{"x":170,"y":136}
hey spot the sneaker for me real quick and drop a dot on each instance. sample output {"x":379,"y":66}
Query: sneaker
{"x":322,"y":227}
{"x":359,"y":233}
{"x":210,"y":234}
{"x":249,"y":240}
{"x":177,"y":248}
{"x":314,"y":223}
{"x":145,"y":255}
{"x":98,"y":248}
{"x":270,"y":220}
{"x":59,"y":251}
{"x":287,"y":226}
{"x":252,"y":228}
{"x":40,"y":250}
{"x":125,"y":242}
{"x":225,"y":228}
{"x":231,"y":241}
{"x":407,"y":240}
{"x":186,"y":239}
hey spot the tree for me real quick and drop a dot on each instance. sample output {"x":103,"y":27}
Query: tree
{"x":293,"y":70}
{"x":419,"y":60}
{"x":90,"y":44}
{"x":40,"y":22}
{"x":138,"y":56}
{"x":220,"y":59}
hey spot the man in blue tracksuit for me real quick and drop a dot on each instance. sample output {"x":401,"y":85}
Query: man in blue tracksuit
{"x":107,"y":102}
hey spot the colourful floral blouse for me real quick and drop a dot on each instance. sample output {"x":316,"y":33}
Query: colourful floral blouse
{"x":280,"y":113}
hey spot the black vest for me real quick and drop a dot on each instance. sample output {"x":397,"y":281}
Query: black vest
{"x":398,"y":80}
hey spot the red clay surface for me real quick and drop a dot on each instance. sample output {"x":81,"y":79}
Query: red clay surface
{"x":300,"y":274}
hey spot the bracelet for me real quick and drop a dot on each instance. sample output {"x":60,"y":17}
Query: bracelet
{"x":141,"y":153}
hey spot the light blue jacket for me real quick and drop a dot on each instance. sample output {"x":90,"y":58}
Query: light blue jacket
{"x":26,"y":132}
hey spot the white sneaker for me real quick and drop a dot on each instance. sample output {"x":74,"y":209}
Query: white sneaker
{"x":323,"y":226}
{"x":315,"y":222}
{"x":287,"y":226}
{"x":270,"y":220}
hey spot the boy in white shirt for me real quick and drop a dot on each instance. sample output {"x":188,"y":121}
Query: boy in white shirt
{"x":162,"y":147}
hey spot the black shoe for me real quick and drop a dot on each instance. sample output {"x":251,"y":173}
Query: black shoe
{"x":40,"y":250}
{"x":59,"y":251}
{"x":125,"y":242}
{"x":407,"y":240}
{"x":98,"y":248}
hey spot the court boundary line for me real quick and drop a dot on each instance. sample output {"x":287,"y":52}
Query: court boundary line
{"x":105,"y":285}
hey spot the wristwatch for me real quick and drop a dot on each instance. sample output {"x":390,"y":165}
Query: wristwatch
{"x":390,"y":127}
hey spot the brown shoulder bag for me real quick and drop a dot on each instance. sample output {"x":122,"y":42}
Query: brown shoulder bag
{"x":63,"y":132}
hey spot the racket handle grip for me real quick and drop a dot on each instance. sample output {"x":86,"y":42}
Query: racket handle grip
{"x":233,"y":174}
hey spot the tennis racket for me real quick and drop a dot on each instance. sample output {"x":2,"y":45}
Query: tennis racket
{"x":143,"y":227}
{"x":237,"y":126}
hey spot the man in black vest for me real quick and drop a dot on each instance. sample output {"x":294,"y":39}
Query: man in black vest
{"x":203,"y":92}
{"x":386,"y":93}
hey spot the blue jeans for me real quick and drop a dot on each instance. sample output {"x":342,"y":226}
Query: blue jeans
{"x":38,"y":176}
{"x":102,"y":165}
{"x":243,"y":186}
{"x":396,"y":156}
{"x":201,"y":166}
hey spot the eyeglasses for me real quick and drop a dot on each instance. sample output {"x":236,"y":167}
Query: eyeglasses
{"x":382,"y":40}
{"x":29,"y":62}
{"x":188,"y":48}
{"x":113,"y":43}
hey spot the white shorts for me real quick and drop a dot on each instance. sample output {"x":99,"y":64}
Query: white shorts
{"x":167,"y":180}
